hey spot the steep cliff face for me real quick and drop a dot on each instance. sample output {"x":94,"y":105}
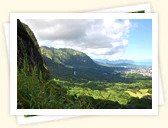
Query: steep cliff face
{"x":28,"y":51}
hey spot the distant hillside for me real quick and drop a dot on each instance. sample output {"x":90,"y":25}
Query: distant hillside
{"x":124,"y":63}
{"x":68,"y":57}
{"x":28,"y":51}
{"x":105,"y":61}
{"x":72,"y":64}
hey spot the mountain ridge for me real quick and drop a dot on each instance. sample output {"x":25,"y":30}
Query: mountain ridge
{"x":67,"y":56}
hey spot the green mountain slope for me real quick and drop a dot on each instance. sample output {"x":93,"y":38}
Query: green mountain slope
{"x":68,"y":57}
{"x":70,"y":64}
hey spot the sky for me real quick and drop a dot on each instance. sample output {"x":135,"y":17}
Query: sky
{"x":99,"y":38}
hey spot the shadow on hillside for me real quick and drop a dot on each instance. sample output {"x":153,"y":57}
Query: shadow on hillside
{"x":91,"y":103}
{"x":88,"y":102}
{"x":143,"y":103}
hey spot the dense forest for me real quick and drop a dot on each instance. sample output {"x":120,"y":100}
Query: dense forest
{"x":51,"y":78}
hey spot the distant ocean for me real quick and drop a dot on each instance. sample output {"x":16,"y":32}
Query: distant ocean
{"x":147,"y":63}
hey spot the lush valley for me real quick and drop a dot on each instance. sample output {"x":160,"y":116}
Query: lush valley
{"x":50,"y":78}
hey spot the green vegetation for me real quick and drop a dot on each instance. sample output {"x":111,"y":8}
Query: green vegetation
{"x":50,"y":78}
{"x":67,"y":57}
{"x":35,"y":92}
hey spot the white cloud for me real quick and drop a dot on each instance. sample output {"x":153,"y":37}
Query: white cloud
{"x":98,"y":51}
{"x":97,"y":38}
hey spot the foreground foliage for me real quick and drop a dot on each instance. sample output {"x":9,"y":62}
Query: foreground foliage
{"x":36,"y":93}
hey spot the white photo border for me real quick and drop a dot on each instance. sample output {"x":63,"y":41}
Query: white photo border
{"x":13,"y":64}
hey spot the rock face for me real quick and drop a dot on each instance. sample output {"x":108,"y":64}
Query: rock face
{"x":28,"y":51}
